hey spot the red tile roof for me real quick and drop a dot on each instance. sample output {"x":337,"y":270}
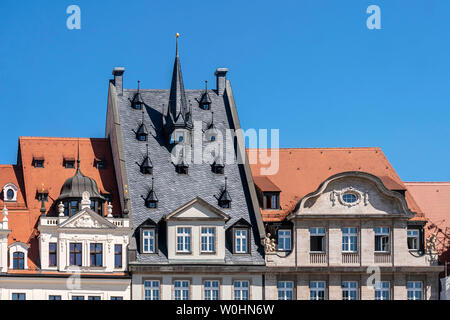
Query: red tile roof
{"x":302,"y":170}
{"x":24,"y":215}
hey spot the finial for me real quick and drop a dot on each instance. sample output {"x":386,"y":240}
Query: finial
{"x":5,"y":213}
{"x":142,"y":115}
{"x":212,"y":117}
{"x":147,"y":149}
{"x":226,"y":183}
{"x":109,"y":210}
{"x":61,"y":209}
{"x":139,"y":84}
{"x":177,"y":35}
{"x":206,"y":85}
{"x":43,"y":210}
{"x":153,"y":182}
{"x":78,"y":155}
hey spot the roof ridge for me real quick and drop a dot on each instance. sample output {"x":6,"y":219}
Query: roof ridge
{"x":325,"y":148}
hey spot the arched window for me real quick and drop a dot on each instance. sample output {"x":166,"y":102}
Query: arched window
{"x":18,"y":260}
{"x":10,"y":194}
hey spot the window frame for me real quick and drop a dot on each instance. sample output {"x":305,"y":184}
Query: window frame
{"x":350,"y":290}
{"x":18,"y":260}
{"x":415,"y":237}
{"x":19,"y":296}
{"x":316,"y":288}
{"x":247,"y":239}
{"x":268,"y":198}
{"x":317,"y":234}
{"x":75,"y":254}
{"x":182,"y":289}
{"x":283,"y":291}
{"x":381,"y":289}
{"x":211,"y":289}
{"x":208,"y":237}
{"x":280,"y":237}
{"x":52,"y":253}
{"x":152,"y":289}
{"x":347,"y":236}
{"x":144,"y":237}
{"x":414,"y":290}
{"x":241,"y":281}
{"x":184,"y":235}
{"x":95,"y":253}
{"x":116,"y":255}
{"x":381,"y":234}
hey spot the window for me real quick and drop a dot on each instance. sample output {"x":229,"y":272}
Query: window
{"x":151,"y":289}
{"x":317,"y":238}
{"x":94,"y":298}
{"x":52,"y":248}
{"x":349,"y":197}
{"x":349,"y":239}
{"x":77,"y":297}
{"x":212,"y":138}
{"x":241,"y":290}
{"x":70,"y":207}
{"x":349,"y":290}
{"x":415,"y":290}
{"x":75,"y":258}
{"x":18,"y":260}
{"x":285,"y":290}
{"x":317,"y":290}
{"x":183,"y":240}
{"x":413,"y":239}
{"x":116,"y":298}
{"x":240,"y":241}
{"x":218,"y":168}
{"x":382,"y":290}
{"x":96,"y":254}
{"x":54,"y":297}
{"x":97,"y":206}
{"x":181,"y":290}
{"x":179,"y":136}
{"x":69,"y":164}
{"x":381,"y":239}
{"x":284,"y":240}
{"x":38,"y":163}
{"x":208,"y":239}
{"x":211,"y":289}
{"x":148,"y":241}
{"x":100,"y":164}
{"x":182,"y":169}
{"x":10,"y":194}
{"x":118,"y":256}
{"x":18,"y":296}
{"x":271,"y":200}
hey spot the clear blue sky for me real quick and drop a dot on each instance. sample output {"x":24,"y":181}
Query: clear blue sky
{"x":310,"y":68}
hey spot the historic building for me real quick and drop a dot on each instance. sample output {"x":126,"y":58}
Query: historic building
{"x":196,"y":231}
{"x":62,"y":234}
{"x":339,"y":221}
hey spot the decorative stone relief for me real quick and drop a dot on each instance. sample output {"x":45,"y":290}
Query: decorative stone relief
{"x":339,"y":194}
{"x":85,"y":221}
{"x":269,"y":244}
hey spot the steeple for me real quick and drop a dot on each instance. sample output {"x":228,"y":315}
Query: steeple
{"x":205,"y":101}
{"x":178,"y":112}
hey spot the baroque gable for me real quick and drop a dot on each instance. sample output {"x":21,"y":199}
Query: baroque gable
{"x":87,"y":219}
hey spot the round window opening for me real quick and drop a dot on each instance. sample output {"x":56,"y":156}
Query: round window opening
{"x":10,"y":194}
{"x":349,"y":197}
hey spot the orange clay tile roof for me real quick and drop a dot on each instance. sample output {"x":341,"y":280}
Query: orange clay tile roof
{"x":24,"y":215}
{"x":265,"y":184}
{"x":302,"y":170}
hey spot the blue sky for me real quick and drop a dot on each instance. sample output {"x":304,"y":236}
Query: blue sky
{"x":310,"y":68}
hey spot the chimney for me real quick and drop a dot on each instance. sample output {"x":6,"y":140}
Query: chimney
{"x":118,"y":79}
{"x":221,"y":74}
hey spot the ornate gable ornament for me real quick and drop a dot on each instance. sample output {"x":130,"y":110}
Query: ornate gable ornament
{"x":88,"y":219}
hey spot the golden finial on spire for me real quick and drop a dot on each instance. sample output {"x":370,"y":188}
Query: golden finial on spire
{"x":177,"y":35}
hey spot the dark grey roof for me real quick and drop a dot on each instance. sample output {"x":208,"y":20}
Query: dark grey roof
{"x":175,"y":190}
{"x":76,"y":185}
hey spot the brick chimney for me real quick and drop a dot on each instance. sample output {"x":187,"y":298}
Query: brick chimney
{"x":221,"y":75}
{"x":118,"y":79}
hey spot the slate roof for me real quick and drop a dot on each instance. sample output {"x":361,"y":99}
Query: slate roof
{"x":175,"y":190}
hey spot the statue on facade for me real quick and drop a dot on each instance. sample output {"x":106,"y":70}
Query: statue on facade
{"x":269,"y":244}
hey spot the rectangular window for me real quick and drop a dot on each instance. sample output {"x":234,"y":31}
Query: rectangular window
{"x":285,"y":290}
{"x":350,"y":290}
{"x":381,"y":239}
{"x":241,"y":290}
{"x":116,"y":298}
{"x":240,"y":241}
{"x":69,"y":164}
{"x":211,"y":289}
{"x":284,"y":240}
{"x":52,"y":249}
{"x":96,"y":254}
{"x":118,"y":256}
{"x":181,"y":289}
{"x":75,"y":254}
{"x":148,"y":241}
{"x":413,"y":239}
{"x":349,"y":239}
{"x":94,"y":298}
{"x":38,"y":163}
{"x":18,"y":296}
{"x":383,"y":290}
{"x":271,"y":201}
{"x":208,"y":239}
{"x":317,"y":238}
{"x":151,"y":290}
{"x":183,"y":240}
{"x":18,"y":260}
{"x":77,"y":297}
{"x":415,"y":290}
{"x":54,"y":297}
{"x":317,"y":290}
{"x":73,"y":207}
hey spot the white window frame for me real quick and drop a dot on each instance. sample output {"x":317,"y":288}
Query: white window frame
{"x":382,"y":232}
{"x":319,"y":232}
{"x":184,"y":292}
{"x":208,"y":238}
{"x":10,"y":186}
{"x":349,"y":234}
{"x":211,"y":292}
{"x":415,"y":234}
{"x":18,"y":247}
{"x":284,"y":237}
{"x":241,"y":237}
{"x":317,"y":290}
{"x":151,"y":238}
{"x":414,"y":287}
{"x":185,"y":235}
{"x":382,"y":288}
{"x":153,"y":288}
{"x":239,"y":290}
{"x":285,"y":290}
{"x":349,"y":289}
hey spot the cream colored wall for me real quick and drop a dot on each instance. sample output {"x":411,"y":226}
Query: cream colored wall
{"x":196,"y":281}
{"x":3,"y":253}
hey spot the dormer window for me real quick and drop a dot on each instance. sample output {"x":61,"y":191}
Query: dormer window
{"x":271,"y":200}
{"x":218,"y":168}
{"x":38,"y":162}
{"x":225,"y":198}
{"x":10,"y":192}
{"x":18,"y":260}
{"x":137,"y":103}
{"x":148,"y":232}
{"x":177,"y":137}
{"x":141,"y":133}
{"x":18,"y":255}
{"x":205,"y":100}
{"x":69,"y":163}
{"x":146,"y":166}
{"x":42,"y":195}
{"x":100,"y":164}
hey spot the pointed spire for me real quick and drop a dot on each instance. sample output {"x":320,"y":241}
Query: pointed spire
{"x":225,"y":198}
{"x":138,"y":102}
{"x":178,"y":113}
{"x":147,"y":165}
{"x":205,"y":101}
{"x":151,"y":199}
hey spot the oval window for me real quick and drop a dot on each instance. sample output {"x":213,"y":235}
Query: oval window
{"x":10,"y":194}
{"x":349,"y":198}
